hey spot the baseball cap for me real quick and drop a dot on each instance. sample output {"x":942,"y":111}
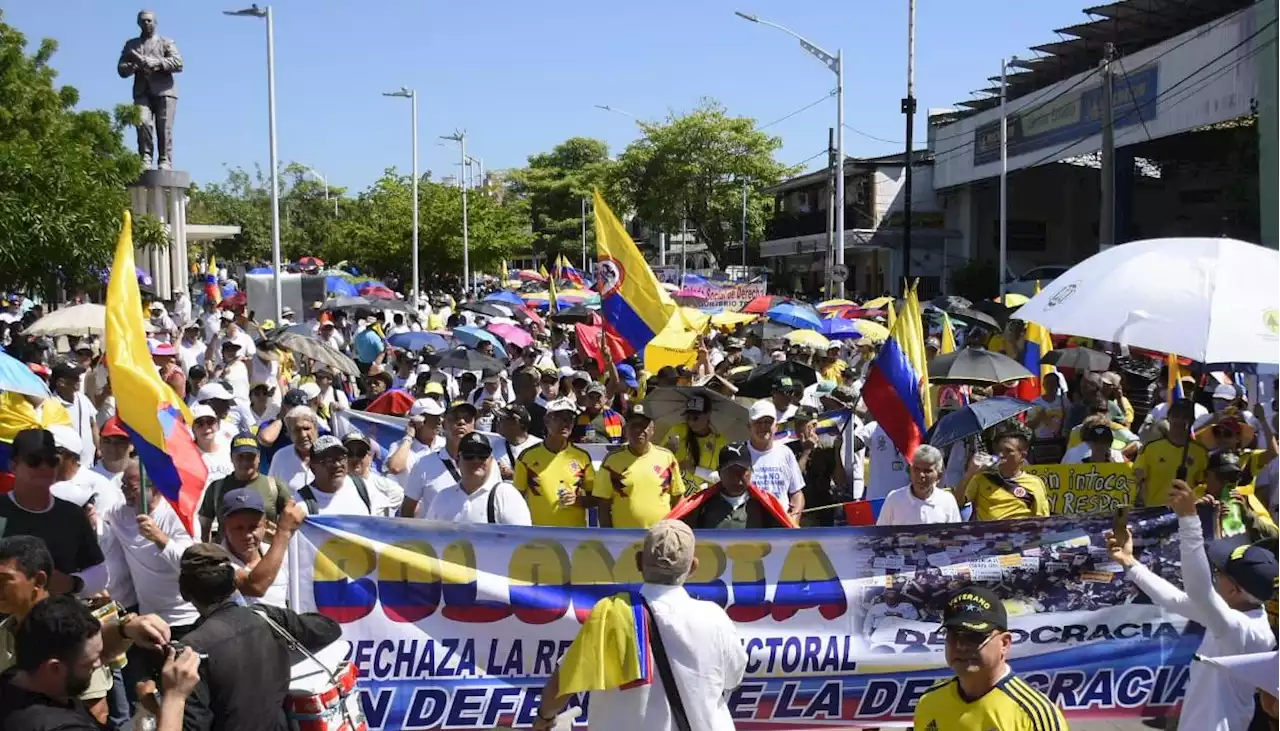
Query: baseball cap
{"x":735,"y":455}
{"x":1096,"y":433}
{"x":34,"y":442}
{"x":668,"y":548}
{"x":426,"y":407}
{"x":207,"y":559}
{"x":202,"y":411}
{"x":762,"y":409}
{"x":66,"y":439}
{"x":636,"y":410}
{"x":327,"y":443}
{"x":293,"y":397}
{"x":628,"y":375}
{"x":514,"y":411}
{"x":596,"y":388}
{"x":734,"y":344}
{"x":244,"y":443}
{"x":1225,"y":392}
{"x":352,"y":438}
{"x":66,"y":369}
{"x":310,"y":389}
{"x":1251,"y":566}
{"x":549,"y":375}
{"x":975,"y":608}
{"x":230,"y":344}
{"x":581,"y":376}
{"x":214,"y":391}
{"x":1222,"y":461}
{"x":433,"y":387}
{"x":242,"y":498}
{"x":474,"y":445}
{"x":163,"y":349}
{"x":697,"y":405}
{"x":113,"y":428}
{"x":562,"y":404}
{"x":804,"y":415}
{"x":463,"y":409}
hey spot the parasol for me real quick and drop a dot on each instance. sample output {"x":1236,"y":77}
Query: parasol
{"x":728,"y":417}
{"x":972,"y":365}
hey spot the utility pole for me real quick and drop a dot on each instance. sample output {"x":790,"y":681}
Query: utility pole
{"x":584,"y":235}
{"x":1004,"y":179}
{"x":1107,"y":217}
{"x":909,"y":109}
{"x":684,"y":246}
{"x":829,"y":277}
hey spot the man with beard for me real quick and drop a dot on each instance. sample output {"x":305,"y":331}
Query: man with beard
{"x":985,"y":694}
{"x":57,"y":649}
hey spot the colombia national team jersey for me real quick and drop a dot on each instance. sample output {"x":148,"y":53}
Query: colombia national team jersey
{"x":1012,"y":705}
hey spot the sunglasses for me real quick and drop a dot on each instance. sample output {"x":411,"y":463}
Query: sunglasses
{"x":474,"y":456}
{"x":48,"y":459}
{"x":357,"y":453}
{"x":969,"y":637}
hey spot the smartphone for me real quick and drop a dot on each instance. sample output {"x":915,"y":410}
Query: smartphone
{"x":1120,"y":524}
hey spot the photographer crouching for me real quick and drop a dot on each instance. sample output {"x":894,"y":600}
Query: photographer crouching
{"x":245,"y":674}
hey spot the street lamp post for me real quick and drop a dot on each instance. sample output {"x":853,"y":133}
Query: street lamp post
{"x":461,"y":138}
{"x":412,"y":96}
{"x":836,"y":64}
{"x":256,"y":12}
{"x":324,"y":180}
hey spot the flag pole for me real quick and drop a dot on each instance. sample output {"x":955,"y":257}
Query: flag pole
{"x":144,"y":500}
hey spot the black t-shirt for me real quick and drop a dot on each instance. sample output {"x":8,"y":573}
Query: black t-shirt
{"x":22,"y":710}
{"x":64,"y":528}
{"x":537,"y":420}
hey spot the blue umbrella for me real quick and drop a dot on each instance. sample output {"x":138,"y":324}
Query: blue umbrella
{"x":416,"y":341}
{"x":471,"y":337}
{"x":340,"y":285}
{"x":261,"y":270}
{"x":507,"y":297}
{"x":838,"y":328}
{"x":795,"y":315}
{"x":975,"y":418}
{"x":17,"y":377}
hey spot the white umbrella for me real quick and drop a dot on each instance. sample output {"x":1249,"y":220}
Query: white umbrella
{"x":1212,"y":300}
{"x":87,"y":319}
{"x":1258,"y":670}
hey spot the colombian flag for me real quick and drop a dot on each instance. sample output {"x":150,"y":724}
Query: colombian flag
{"x":1037,"y":344}
{"x":155,"y":418}
{"x":894,"y":389}
{"x":611,"y":650}
{"x":634,"y":305}
{"x":569,"y":273}
{"x":1174,"y":382}
{"x":948,"y":344}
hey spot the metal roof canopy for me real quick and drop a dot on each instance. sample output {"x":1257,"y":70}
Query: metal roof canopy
{"x":1132,"y":25}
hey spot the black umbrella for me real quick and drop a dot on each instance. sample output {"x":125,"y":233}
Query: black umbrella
{"x":345,"y":302}
{"x":760,"y":382}
{"x":465,"y":359}
{"x":487,"y":309}
{"x":998,"y":312}
{"x":1079,"y":359}
{"x":974,"y":317}
{"x":945,"y":302}
{"x":768,"y":330}
{"x":974,"y":418}
{"x":972,"y":365}
{"x":575,"y":315}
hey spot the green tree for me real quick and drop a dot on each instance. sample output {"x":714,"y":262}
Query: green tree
{"x":693,"y":167}
{"x":554,"y":186}
{"x":63,"y":174}
{"x":242,"y":200}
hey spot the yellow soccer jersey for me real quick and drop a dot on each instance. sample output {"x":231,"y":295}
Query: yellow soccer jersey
{"x":994,"y":501}
{"x":540,"y":476}
{"x":642,"y":489}
{"x":1010,"y":706}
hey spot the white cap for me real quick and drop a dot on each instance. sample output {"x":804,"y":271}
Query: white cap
{"x":423,"y":369}
{"x":228,"y":315}
{"x":214,"y":390}
{"x":562,"y":404}
{"x":72,"y":492}
{"x":566,"y":372}
{"x":66,"y":438}
{"x":763,"y":408}
{"x":1226,"y":392}
{"x":310,"y":389}
{"x":200,"y":411}
{"x":426,"y":407}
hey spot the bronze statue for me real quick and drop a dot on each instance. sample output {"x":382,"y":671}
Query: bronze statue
{"x":152,"y":61}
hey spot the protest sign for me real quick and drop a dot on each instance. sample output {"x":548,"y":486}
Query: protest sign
{"x":458,"y":626}
{"x":1084,"y":489}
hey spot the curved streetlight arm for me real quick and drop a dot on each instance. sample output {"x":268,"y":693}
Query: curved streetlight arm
{"x":828,"y":59}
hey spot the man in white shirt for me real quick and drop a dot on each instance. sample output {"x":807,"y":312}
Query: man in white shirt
{"x":513,"y":424}
{"x":438,"y":470}
{"x":1228,"y":603}
{"x":262,"y":575}
{"x":922,"y":501}
{"x":703,"y":652}
{"x":480,"y":494}
{"x":423,"y":438}
{"x":234,"y":370}
{"x":65,"y":384}
{"x":774,"y":466}
{"x":78,"y":485}
{"x":291,"y":466}
{"x":333,"y":491}
{"x":385,"y":494}
{"x":1095,"y":446}
{"x":888,"y":466}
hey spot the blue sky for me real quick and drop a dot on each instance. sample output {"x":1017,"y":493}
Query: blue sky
{"x":521,"y":76}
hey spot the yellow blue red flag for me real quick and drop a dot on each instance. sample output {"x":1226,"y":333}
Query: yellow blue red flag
{"x":155,"y":417}
{"x":611,"y":650}
{"x":634,"y":306}
{"x":897,"y":383}
{"x":1037,"y":345}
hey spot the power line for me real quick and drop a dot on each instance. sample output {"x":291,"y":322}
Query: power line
{"x":805,"y":108}
{"x":873,"y":137}
{"x":811,"y":158}
{"x":1134,"y":100}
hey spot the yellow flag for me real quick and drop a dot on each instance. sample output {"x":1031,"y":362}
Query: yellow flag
{"x":892,"y":314}
{"x":914,"y":347}
{"x":948,"y":344}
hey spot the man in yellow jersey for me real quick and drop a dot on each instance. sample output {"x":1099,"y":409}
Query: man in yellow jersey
{"x":1005,"y":491}
{"x":555,"y":476}
{"x":1156,"y":466}
{"x":984,"y":694}
{"x":637,"y":486}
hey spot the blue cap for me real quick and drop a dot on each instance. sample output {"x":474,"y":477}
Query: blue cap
{"x":242,"y":498}
{"x":244,"y":443}
{"x":628,"y":375}
{"x":1251,"y":566}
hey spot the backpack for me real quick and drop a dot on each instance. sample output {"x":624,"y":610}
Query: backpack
{"x":309,"y":496}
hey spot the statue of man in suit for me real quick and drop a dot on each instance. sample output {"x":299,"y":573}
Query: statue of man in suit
{"x":152,"y":61}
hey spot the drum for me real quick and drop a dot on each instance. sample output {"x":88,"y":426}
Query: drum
{"x":322,"y":693}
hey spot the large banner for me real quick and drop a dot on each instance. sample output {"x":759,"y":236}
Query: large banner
{"x":1082,"y":489}
{"x":729,"y":295}
{"x":457,"y":626}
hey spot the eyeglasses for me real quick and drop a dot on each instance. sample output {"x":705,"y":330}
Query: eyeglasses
{"x":49,"y":459}
{"x":331,"y":460}
{"x":969,"y":637}
{"x":474,"y":456}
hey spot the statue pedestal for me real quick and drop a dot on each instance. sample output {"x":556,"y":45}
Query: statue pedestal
{"x":163,"y":194}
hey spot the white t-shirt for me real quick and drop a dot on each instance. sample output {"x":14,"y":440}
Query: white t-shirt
{"x":454,"y":505}
{"x":287,"y":468}
{"x":417,"y":450}
{"x":83,"y":414}
{"x":153,"y":570}
{"x":385,"y":494}
{"x":191,"y":355}
{"x":429,"y":477}
{"x":277,"y":595}
{"x":888,"y":466}
{"x":902,"y":507}
{"x":1077,"y":454}
{"x":1055,"y":411}
{"x":346,"y":501}
{"x":217,"y":463}
{"x":507,"y":453}
{"x":237,"y":376}
{"x":776,"y":471}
